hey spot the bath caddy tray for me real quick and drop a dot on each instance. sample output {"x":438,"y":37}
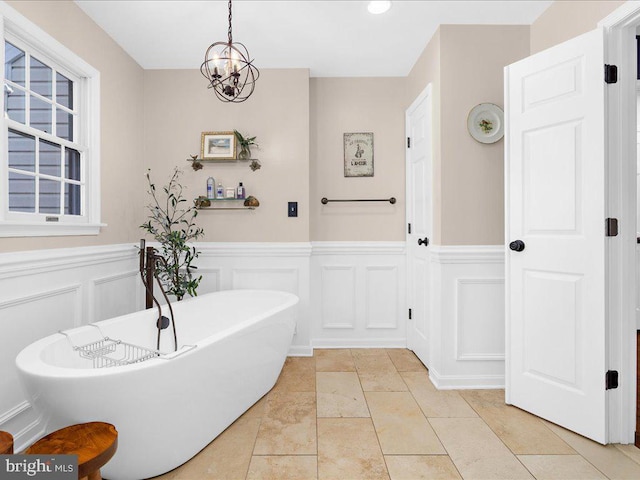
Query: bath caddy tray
{"x":109,"y":352}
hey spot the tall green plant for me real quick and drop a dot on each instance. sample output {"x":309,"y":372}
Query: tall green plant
{"x":172,"y":224}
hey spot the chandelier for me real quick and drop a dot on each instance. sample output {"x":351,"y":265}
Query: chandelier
{"x":228,"y":69}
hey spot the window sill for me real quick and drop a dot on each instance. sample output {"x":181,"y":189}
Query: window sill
{"x":16,"y":229}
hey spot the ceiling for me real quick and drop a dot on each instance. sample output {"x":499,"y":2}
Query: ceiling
{"x":331,"y":38}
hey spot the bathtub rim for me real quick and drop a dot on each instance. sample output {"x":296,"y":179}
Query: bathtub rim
{"x":29,"y":360}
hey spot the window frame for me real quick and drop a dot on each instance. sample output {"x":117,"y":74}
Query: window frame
{"x":21,"y":32}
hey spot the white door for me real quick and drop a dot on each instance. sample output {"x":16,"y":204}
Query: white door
{"x":419,"y":197}
{"x":555,"y":195}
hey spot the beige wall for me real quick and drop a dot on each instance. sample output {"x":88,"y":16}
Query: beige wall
{"x":567,"y":19}
{"x":121,"y":123}
{"x":465,"y":65}
{"x":338,"y":106}
{"x":178,"y":107}
{"x":472,"y":59}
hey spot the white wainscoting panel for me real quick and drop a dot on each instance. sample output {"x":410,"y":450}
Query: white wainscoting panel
{"x":253,"y":265}
{"x":42,"y":292}
{"x":358,"y":294}
{"x":467,"y":329}
{"x":116,"y":295}
{"x":338,"y":293}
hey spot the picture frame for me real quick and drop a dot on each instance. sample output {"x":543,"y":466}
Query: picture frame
{"x":358,"y":154}
{"x":219,"y":146}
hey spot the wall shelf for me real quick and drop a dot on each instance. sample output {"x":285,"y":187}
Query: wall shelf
{"x":227,"y":204}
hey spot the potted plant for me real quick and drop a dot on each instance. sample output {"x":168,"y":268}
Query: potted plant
{"x":245,"y":145}
{"x":172,"y":225}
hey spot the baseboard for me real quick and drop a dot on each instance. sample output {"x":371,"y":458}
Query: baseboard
{"x":300,"y":351}
{"x":360,"y":343}
{"x":466,"y":382}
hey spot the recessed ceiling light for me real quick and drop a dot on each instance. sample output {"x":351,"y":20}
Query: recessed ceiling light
{"x":378,"y":7}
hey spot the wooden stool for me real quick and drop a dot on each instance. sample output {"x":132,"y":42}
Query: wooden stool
{"x":6,"y":443}
{"x":94,"y":443}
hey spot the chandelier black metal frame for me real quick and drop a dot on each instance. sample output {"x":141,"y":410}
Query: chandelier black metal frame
{"x":228,"y":69}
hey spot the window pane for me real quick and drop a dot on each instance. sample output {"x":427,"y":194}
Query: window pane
{"x":64,"y":124}
{"x":40,"y":115}
{"x":50,"y":158}
{"x":22,"y":151}
{"x":14,"y":64}
{"x":41,"y":78}
{"x":49,"y":196}
{"x":72,"y":199}
{"x":64,"y":91}
{"x":72,"y":164}
{"x":14,"y":103}
{"x":22,"y":193}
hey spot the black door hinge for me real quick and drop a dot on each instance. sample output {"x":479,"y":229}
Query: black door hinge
{"x":610,"y":74}
{"x":611,"y":227}
{"x":409,"y":228}
{"x":410,"y":313}
{"x":611,"y":379}
{"x":408,"y":142}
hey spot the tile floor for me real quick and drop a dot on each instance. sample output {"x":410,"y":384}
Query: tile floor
{"x":373,"y":414}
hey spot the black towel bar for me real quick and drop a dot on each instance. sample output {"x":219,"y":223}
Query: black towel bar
{"x":391,"y":200}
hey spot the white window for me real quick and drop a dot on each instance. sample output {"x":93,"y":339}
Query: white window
{"x":50,"y":155}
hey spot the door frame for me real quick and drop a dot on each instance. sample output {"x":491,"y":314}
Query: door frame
{"x":427,"y":93}
{"x":620,"y":122}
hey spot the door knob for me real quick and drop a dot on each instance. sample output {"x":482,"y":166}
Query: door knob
{"x":517,"y":245}
{"x":424,"y":241}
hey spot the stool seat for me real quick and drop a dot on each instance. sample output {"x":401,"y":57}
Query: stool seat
{"x":94,"y":443}
{"x":6,"y":443}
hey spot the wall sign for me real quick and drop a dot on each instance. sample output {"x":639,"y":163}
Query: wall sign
{"x":358,"y":154}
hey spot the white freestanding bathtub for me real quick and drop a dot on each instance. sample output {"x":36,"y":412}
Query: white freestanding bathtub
{"x":165,"y":409}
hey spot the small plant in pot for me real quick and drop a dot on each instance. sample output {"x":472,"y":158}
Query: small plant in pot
{"x":172,"y":223}
{"x":245,"y":143}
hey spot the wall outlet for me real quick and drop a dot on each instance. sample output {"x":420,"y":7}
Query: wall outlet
{"x":292,"y":209}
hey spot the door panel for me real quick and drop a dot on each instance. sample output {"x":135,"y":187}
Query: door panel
{"x":419,"y":195}
{"x":555,"y":182}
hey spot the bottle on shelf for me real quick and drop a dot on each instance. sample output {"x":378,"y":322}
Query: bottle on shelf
{"x":211,"y":185}
{"x":240,"y":191}
{"x":220,"y":191}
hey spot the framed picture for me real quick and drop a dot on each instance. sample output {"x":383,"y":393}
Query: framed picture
{"x":358,"y":154}
{"x":218,"y":146}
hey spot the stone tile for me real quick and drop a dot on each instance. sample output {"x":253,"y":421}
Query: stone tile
{"x":382,"y":382}
{"x":348,"y":449}
{"x":300,"y":467}
{"x":366,"y":352}
{"x":607,"y":458}
{"x":339,"y":394}
{"x":476,"y":451}
{"x":401,"y":427}
{"x":434,"y":402}
{"x":405,"y":360}
{"x":523,"y":433}
{"x":257,"y":409}
{"x":378,"y":374}
{"x":630,"y":451}
{"x":560,"y":467}
{"x":334,"y":360}
{"x":226,"y":458}
{"x":421,"y":467}
{"x":298,"y":375}
{"x":289,"y":425}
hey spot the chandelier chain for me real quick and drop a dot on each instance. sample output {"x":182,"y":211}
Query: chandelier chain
{"x":230,"y":34}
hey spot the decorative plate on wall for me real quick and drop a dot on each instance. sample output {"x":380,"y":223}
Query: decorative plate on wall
{"x":486,"y":123}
